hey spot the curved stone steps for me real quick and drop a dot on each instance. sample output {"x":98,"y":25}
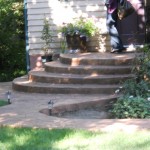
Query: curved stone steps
{"x":25,"y":85}
{"x":97,"y":59}
{"x":57,"y":67}
{"x":85,"y":73}
{"x":57,"y":78}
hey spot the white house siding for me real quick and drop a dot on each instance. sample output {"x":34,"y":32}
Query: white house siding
{"x":59,"y":11}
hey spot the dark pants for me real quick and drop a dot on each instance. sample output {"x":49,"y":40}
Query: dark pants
{"x":115,"y":40}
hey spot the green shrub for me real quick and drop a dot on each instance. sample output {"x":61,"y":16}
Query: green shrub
{"x":80,"y":26}
{"x":132,"y":87}
{"x":131,"y":107}
{"x":3,"y":102}
{"x":142,"y":64}
{"x":12,"y":39}
{"x":135,"y":91}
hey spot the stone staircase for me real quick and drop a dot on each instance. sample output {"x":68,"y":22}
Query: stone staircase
{"x":78,"y":81}
{"x":85,"y":73}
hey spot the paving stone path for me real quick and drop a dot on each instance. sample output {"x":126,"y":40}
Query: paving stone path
{"x":24,"y":111}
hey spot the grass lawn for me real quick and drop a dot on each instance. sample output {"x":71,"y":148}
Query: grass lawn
{"x":3,"y":102}
{"x":70,"y":139}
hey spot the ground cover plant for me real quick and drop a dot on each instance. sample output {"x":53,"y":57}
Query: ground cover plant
{"x":135,"y":99}
{"x":3,"y":102}
{"x":71,"y":139}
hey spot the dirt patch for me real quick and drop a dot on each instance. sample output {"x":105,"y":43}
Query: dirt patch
{"x":86,"y":114}
{"x":82,"y":113}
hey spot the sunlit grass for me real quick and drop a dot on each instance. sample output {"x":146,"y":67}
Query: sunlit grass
{"x":3,"y":102}
{"x":71,"y":139}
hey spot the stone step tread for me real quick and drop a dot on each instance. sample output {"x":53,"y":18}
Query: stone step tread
{"x":57,"y":67}
{"x":100,"y":56}
{"x":23,"y":81}
{"x":78,"y":98}
{"x":81,"y":102}
{"x":42,"y":73}
{"x":58,"y":64}
{"x":77,"y":102}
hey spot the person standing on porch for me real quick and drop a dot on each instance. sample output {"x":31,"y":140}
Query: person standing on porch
{"x":111,"y":22}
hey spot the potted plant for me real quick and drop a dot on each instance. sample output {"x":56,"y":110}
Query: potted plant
{"x":47,"y":38}
{"x":78,"y":33}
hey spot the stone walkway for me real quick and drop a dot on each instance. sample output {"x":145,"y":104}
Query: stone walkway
{"x":24,"y":111}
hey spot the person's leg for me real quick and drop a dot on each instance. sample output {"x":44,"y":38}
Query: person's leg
{"x":115,"y":40}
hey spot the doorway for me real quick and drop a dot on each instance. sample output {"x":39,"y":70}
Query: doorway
{"x":132,"y":28}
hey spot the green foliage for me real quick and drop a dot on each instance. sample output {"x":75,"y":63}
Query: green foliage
{"x":134,"y":88}
{"x":140,"y":85}
{"x":142,"y":61}
{"x":63,"y":45}
{"x":12,"y":39}
{"x":80,"y":26}
{"x":3,"y":102}
{"x":131,"y":107}
{"x":138,"y":88}
{"x":46,"y":36}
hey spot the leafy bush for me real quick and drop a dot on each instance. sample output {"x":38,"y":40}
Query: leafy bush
{"x":142,"y":64}
{"x":136,"y":92}
{"x":134,"y":88}
{"x":131,"y":107}
{"x":47,"y":37}
{"x":140,"y":85}
{"x":80,"y":26}
{"x":3,"y":102}
{"x":12,"y":39}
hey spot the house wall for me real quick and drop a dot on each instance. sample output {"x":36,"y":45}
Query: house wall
{"x":58,"y":12}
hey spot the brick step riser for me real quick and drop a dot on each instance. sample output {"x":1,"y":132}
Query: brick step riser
{"x":59,"y":80}
{"x":55,"y":90}
{"x":104,"y":62}
{"x":89,"y":71}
